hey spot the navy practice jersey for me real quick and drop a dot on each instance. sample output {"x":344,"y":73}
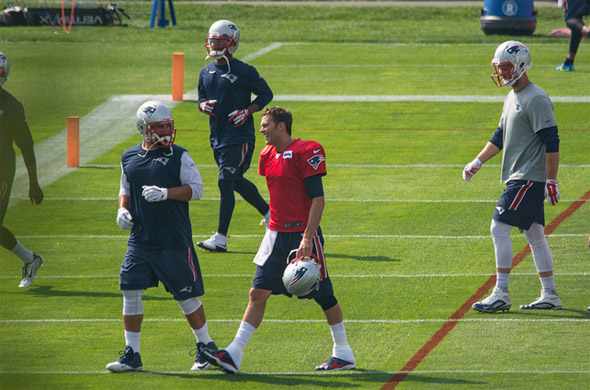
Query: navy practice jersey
{"x":232,"y":91}
{"x":156,"y":225}
{"x":13,"y":129}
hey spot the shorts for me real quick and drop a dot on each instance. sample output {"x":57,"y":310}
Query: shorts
{"x":521,"y":204}
{"x":233,"y":160}
{"x":177,"y":269}
{"x":269,"y":276}
{"x":576,"y":9}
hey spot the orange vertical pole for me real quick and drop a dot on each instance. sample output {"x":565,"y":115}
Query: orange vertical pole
{"x":73,"y":131}
{"x":177,"y":76}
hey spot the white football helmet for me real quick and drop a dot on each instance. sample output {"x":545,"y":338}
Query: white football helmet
{"x":4,"y":68}
{"x":223,"y":38}
{"x":517,"y":56}
{"x":155,"y":124}
{"x":302,"y":276}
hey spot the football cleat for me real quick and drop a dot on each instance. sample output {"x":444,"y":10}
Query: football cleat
{"x":335,"y":364}
{"x":217,"y":243}
{"x":498,"y":300}
{"x":547,"y":301}
{"x":221,"y":359}
{"x":566,"y":68}
{"x":200,"y":362}
{"x":129,"y":361}
{"x":29,"y":271}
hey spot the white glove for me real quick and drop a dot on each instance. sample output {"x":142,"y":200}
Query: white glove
{"x":154,"y":193}
{"x":552,"y":191}
{"x":124,"y":219}
{"x":239,"y":117}
{"x":471,"y":169}
{"x":207,"y":107}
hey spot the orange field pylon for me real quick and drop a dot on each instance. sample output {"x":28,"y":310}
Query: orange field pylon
{"x":177,"y":76}
{"x":73,"y":135}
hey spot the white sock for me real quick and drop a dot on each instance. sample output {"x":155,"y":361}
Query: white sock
{"x":132,"y":340}
{"x":243,"y":336}
{"x":338,"y":334}
{"x":23,"y":253}
{"x":202,"y":334}
{"x":548,"y":284}
{"x":502,"y":281}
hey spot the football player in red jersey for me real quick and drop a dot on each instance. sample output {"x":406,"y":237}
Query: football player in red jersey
{"x":293,"y":169}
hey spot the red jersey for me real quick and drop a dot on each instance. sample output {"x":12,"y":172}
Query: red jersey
{"x":284,"y":172}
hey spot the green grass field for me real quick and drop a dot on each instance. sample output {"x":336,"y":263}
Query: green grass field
{"x":407,"y":241}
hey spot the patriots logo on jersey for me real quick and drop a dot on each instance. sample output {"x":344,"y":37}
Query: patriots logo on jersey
{"x":316,"y":160}
{"x":162,"y":160}
{"x":230,"y":77}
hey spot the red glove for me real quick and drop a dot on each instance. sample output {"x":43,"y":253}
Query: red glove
{"x":552,"y":191}
{"x":239,"y":117}
{"x":207,"y":107}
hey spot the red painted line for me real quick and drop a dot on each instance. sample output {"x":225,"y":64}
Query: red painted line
{"x":453,"y":319}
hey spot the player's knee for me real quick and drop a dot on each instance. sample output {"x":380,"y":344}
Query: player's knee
{"x":259,"y":296}
{"x":327,"y":302}
{"x":189,"y":306}
{"x":132,"y":302}
{"x":499,"y":229}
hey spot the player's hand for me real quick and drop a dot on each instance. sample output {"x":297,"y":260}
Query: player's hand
{"x":124,"y":219}
{"x":471,"y":169}
{"x":35,"y":193}
{"x":239,"y":117}
{"x":154,"y":193}
{"x":207,"y":107}
{"x":552,"y":191}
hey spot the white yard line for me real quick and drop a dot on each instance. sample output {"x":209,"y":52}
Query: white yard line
{"x":378,"y":276}
{"x":321,"y":321}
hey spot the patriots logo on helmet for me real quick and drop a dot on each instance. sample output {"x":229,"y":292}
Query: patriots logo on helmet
{"x":298,"y":275}
{"x":513,"y":50}
{"x":316,"y":160}
{"x":149,"y":109}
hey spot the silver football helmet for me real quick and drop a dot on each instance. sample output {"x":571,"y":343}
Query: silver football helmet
{"x":223,"y":38}
{"x":514,"y":58}
{"x":155,"y":124}
{"x":4,"y":68}
{"x":301,"y":277}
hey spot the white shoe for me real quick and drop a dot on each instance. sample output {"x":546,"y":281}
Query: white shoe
{"x":498,"y":300}
{"x":217,"y":243}
{"x":29,"y":271}
{"x":549,"y":300}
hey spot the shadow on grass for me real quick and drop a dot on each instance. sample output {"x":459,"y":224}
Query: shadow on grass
{"x":343,"y":379}
{"x":48,"y":291}
{"x":348,"y":379}
{"x":360,"y":258}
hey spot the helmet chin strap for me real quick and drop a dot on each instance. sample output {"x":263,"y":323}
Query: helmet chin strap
{"x":226,"y":61}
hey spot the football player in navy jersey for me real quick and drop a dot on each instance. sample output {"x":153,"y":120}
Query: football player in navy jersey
{"x":293,"y":169}
{"x":225,"y":89}
{"x":14,"y":129}
{"x":158,"y":180}
{"x":573,"y":12}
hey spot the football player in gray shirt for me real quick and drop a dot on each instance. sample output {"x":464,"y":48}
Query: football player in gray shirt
{"x":528,"y":138}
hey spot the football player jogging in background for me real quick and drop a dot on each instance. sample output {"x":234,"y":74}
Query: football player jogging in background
{"x":225,"y":89}
{"x":157,"y":182}
{"x":527,"y":134}
{"x":293,"y":169}
{"x":14,"y":129}
{"x":573,"y":12}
